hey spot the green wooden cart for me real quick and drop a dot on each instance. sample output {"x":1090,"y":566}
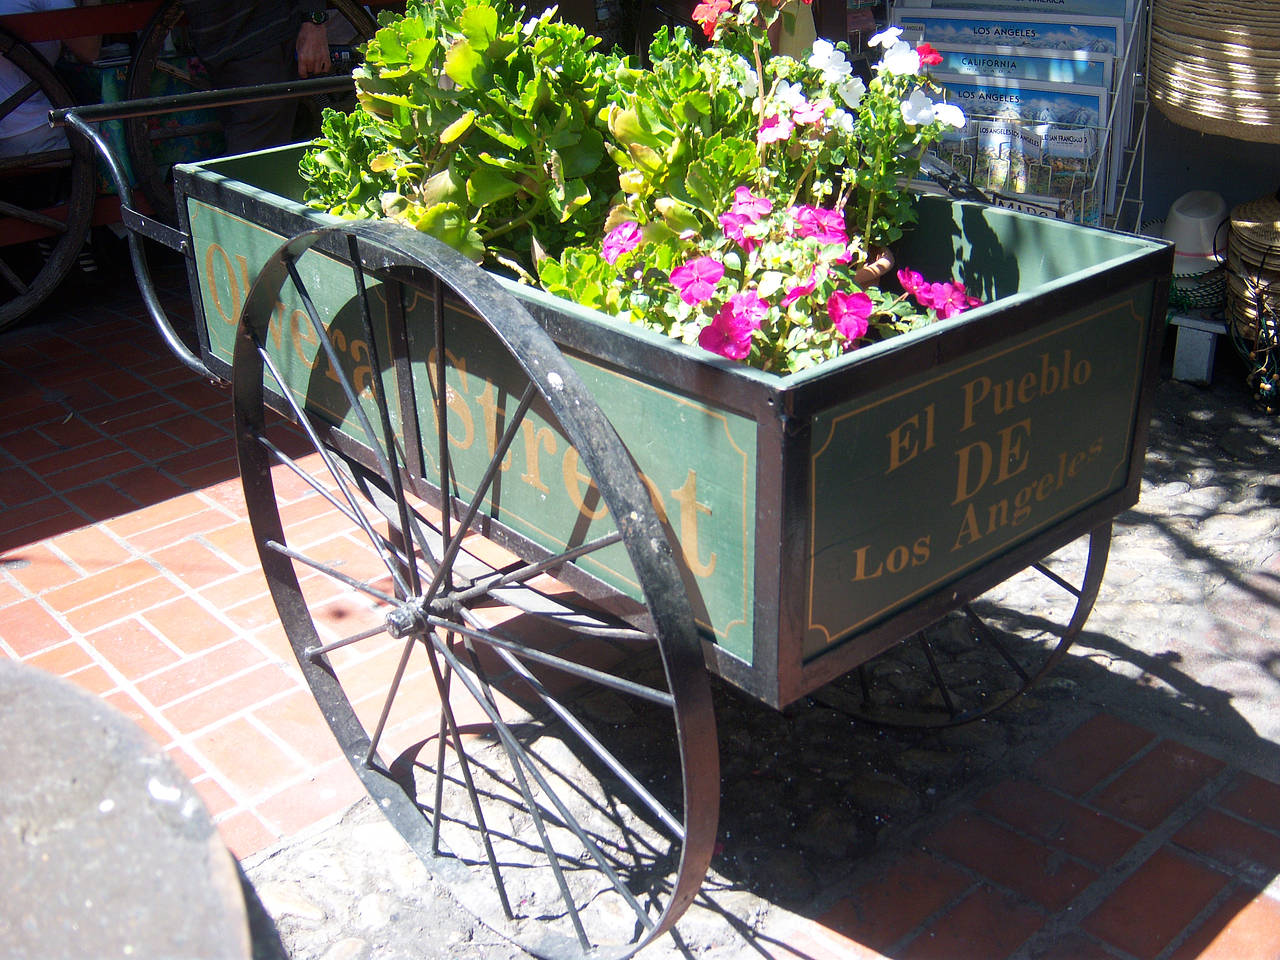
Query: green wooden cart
{"x":541,"y":533}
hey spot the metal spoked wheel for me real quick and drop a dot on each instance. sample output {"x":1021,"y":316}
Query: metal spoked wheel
{"x":514,"y":672}
{"x":164,"y":64}
{"x":983,"y":657}
{"x":46,"y":198}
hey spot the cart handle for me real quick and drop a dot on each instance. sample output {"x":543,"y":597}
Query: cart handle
{"x":138,"y":224}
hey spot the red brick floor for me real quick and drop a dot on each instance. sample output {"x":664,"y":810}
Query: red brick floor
{"x":126,"y":567}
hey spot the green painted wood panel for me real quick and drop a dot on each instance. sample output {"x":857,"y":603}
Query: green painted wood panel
{"x":918,"y":483}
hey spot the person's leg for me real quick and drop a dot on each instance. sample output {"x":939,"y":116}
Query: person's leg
{"x":256,"y":126}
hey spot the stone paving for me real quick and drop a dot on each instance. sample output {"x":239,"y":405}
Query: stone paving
{"x":1126,"y":809}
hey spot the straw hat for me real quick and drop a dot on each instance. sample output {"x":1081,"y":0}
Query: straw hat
{"x":1214,"y":66}
{"x":1253,"y":263}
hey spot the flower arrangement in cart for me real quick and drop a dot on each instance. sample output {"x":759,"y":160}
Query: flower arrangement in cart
{"x":728,"y":197}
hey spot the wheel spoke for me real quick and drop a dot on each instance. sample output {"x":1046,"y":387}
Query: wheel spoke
{"x":18,"y":97}
{"x":11,"y":278}
{"x":283,"y":458}
{"x":447,"y":721}
{"x":530,"y":570}
{"x":454,"y":543}
{"x":390,"y":460}
{"x":328,"y":571}
{"x":35,"y":217}
{"x":521,"y":761}
{"x":487,"y":637}
{"x":992,"y":638}
{"x":304,"y":421}
{"x":936,"y":673}
{"x":597,"y":748}
{"x":314,"y":653}
{"x":1064,"y":584}
{"x":392,"y":690}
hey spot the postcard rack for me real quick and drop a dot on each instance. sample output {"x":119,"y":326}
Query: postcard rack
{"x":1051,"y":130}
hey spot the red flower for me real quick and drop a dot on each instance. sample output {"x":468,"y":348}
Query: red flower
{"x":929,"y":56}
{"x":708,"y":14}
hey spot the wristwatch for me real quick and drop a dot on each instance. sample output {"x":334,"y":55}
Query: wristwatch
{"x":316,"y":16}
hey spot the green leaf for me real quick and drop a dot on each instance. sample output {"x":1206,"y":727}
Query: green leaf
{"x":479,"y":24}
{"x":488,"y":185}
{"x":458,"y":128}
{"x":583,"y":157}
{"x":465,"y":66}
{"x":444,"y":187}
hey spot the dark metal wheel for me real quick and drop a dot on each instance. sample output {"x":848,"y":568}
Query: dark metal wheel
{"x":165,"y":63}
{"x":514,"y":672}
{"x":46,"y":199}
{"x":984,"y":656}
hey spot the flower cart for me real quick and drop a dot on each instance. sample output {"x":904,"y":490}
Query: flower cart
{"x":542,"y":531}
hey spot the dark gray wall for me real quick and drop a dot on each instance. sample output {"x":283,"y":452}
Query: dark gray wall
{"x":1180,"y":159}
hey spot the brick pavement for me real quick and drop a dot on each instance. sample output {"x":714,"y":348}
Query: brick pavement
{"x":126,"y":567}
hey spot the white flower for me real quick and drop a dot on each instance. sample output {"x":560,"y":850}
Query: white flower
{"x":886,"y":37}
{"x":830,"y":61}
{"x":918,"y":108}
{"x":900,"y":60}
{"x":842,"y":120}
{"x":949,"y":114}
{"x":740,"y":73}
{"x":851,"y":91}
{"x":790,"y":95}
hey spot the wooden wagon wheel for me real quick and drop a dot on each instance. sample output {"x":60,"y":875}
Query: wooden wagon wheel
{"x":987,"y":654}
{"x":47,"y":197}
{"x":473,"y":661}
{"x":165,"y":63}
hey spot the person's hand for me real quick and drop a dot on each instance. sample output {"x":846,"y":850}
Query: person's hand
{"x":313,"y":50}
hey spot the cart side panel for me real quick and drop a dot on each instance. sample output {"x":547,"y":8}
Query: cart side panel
{"x":959,"y":464}
{"x":229,"y":253}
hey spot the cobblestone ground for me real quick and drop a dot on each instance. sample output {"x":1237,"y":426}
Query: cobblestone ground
{"x":1185,"y":639}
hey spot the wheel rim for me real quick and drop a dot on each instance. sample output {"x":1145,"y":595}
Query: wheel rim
{"x":48,"y":199}
{"x":445,"y":613}
{"x":165,"y":64}
{"x":986,"y":655}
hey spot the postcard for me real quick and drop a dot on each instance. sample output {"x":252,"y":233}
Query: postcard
{"x":1027,"y":63}
{"x":999,"y":28}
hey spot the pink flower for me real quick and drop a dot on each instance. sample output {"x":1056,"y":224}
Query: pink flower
{"x":749,"y":205}
{"x":708,"y":14}
{"x":697,"y":279}
{"x":950,"y":299}
{"x":729,"y":334}
{"x":929,"y":56}
{"x":621,"y":239}
{"x":802,"y":289}
{"x":775,"y":128}
{"x":912,"y":281}
{"x":732,"y":224}
{"x":826,"y":225}
{"x":850,"y":313}
{"x":811,"y":112}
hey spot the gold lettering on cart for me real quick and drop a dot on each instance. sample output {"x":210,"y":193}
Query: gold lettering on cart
{"x":992,"y":484}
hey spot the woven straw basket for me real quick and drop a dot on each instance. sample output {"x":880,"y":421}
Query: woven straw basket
{"x":1253,"y":264}
{"x":1215,"y":66}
